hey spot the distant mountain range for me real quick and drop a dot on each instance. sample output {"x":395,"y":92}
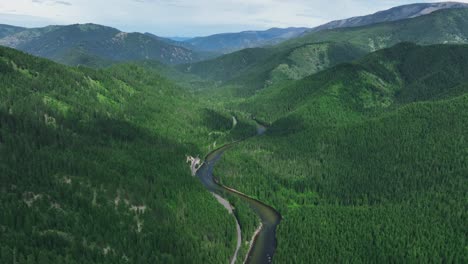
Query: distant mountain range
{"x":7,"y":30}
{"x":442,"y":26}
{"x":393,"y":14}
{"x":95,"y":45}
{"x":230,"y":42}
{"x":297,"y":58}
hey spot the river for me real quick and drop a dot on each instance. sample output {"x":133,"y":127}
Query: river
{"x":263,"y":244}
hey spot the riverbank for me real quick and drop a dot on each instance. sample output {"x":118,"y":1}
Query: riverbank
{"x":263,"y":243}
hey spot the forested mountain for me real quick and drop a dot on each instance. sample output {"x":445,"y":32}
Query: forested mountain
{"x":443,"y":26}
{"x":388,"y":78}
{"x":230,"y":42}
{"x":364,"y":158}
{"x":92,"y":167}
{"x":261,"y":67}
{"x":254,"y":69}
{"x":7,"y":30}
{"x":366,"y":161}
{"x":90,"y":44}
{"x":393,"y":14}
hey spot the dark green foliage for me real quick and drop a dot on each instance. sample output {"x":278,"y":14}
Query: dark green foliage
{"x":366,"y":161}
{"x":254,"y":69}
{"x":357,"y":177}
{"x":398,"y":75}
{"x":79,"y":148}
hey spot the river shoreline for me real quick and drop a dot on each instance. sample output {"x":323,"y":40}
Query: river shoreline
{"x":263,"y":243}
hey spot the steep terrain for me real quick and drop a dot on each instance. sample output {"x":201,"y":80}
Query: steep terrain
{"x":92,"y":166}
{"x":388,"y":78}
{"x":365,"y":161}
{"x":74,"y":44}
{"x":256,"y":68}
{"x":365,"y":155}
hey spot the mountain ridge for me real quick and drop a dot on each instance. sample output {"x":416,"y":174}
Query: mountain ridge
{"x":389,"y":15}
{"x":105,"y":43}
{"x":229,"y":42}
{"x":261,"y":67}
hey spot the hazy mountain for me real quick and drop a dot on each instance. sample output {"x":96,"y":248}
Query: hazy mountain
{"x":230,"y":42}
{"x":171,"y":41}
{"x":68,"y":44}
{"x":179,"y":38}
{"x":7,"y":30}
{"x":393,"y":14}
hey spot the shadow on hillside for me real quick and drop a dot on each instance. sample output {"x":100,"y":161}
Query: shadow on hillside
{"x":286,"y":126}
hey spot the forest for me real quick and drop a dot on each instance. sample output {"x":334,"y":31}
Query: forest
{"x":365,"y":157}
{"x":93,"y":169}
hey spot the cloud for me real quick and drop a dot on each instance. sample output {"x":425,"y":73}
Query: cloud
{"x":63,"y":3}
{"x":52,"y":2}
{"x":199,"y":17}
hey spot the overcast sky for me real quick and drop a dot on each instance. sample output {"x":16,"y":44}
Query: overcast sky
{"x":188,"y":17}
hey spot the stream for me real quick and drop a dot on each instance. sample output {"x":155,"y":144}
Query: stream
{"x":263,"y":243}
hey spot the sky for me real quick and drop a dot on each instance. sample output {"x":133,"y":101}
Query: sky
{"x":188,"y":18}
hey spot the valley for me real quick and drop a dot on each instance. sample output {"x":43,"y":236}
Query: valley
{"x":344,"y":142}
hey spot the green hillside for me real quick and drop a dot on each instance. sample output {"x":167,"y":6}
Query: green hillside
{"x":92,"y":166}
{"x":380,"y":81}
{"x":257,"y":68}
{"x":366,"y":161}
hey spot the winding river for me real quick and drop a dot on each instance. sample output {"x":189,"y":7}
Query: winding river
{"x":263,"y":243}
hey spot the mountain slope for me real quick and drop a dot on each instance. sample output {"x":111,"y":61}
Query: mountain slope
{"x":383,"y":80}
{"x":230,"y":42}
{"x":257,"y":68}
{"x":393,"y":14}
{"x":366,"y":161}
{"x":92,"y":166}
{"x":104,"y":43}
